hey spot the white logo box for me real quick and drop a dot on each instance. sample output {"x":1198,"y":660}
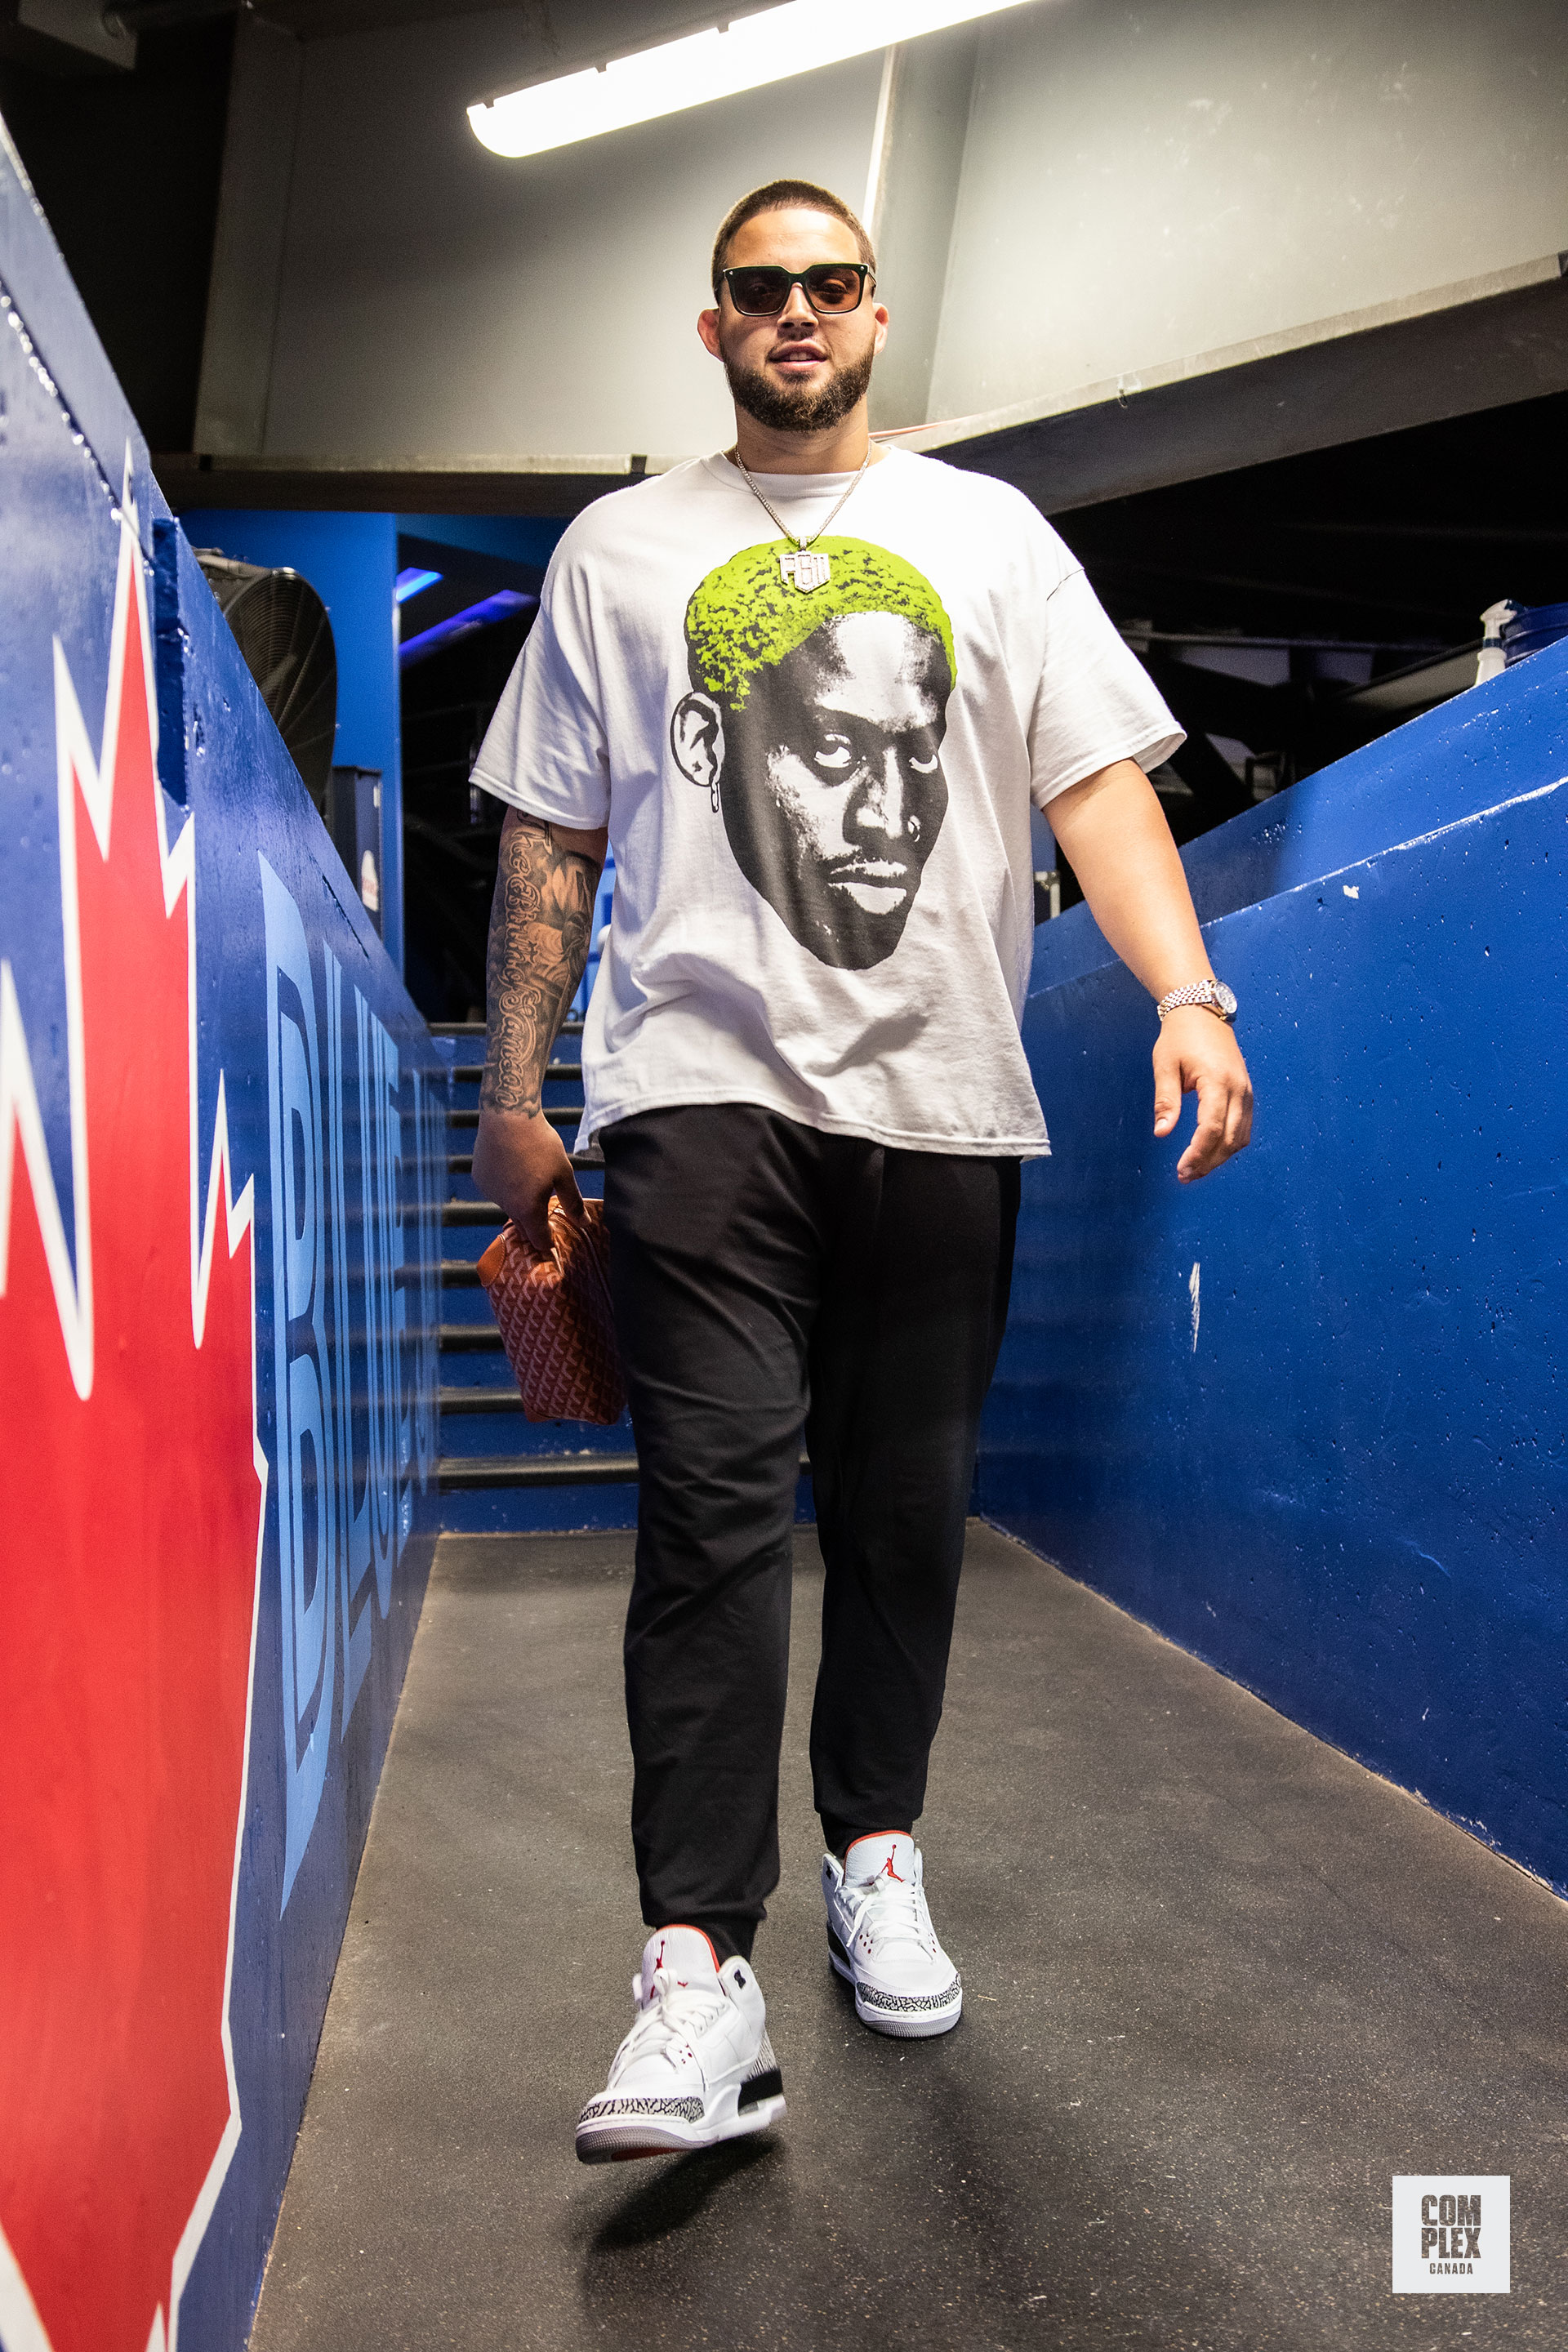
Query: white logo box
{"x":1451,"y":2233}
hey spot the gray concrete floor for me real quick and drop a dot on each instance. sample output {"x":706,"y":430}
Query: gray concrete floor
{"x":1221,"y":1985}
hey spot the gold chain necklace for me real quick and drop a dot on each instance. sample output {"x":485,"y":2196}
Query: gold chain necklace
{"x":802,"y":565}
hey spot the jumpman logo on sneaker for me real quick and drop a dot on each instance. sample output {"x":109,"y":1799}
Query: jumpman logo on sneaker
{"x":888,"y":1871}
{"x":659,"y":1962}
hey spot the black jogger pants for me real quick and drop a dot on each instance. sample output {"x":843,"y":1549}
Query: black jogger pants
{"x":766,"y":1277}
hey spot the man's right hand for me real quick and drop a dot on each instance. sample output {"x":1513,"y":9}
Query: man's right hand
{"x":520,"y":1162}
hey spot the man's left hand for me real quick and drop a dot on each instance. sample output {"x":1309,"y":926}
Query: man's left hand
{"x":1195,"y":1052}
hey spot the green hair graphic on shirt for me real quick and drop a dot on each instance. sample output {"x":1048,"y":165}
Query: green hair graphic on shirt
{"x":748,"y":613}
{"x":820,"y":682}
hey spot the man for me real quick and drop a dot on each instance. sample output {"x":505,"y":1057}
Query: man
{"x":802,"y":1059}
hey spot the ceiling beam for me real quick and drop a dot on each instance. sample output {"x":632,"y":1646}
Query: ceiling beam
{"x":1460,"y":349}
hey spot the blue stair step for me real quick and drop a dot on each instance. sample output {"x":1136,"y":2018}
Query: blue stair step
{"x":452,"y":1336}
{"x":485,"y":1213}
{"x":466,"y":1368}
{"x":484,"y":1438}
{"x":456,"y":1475}
{"x":478,"y":1400}
{"x":501,"y":1471}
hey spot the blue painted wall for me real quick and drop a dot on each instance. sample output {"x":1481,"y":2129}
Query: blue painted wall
{"x":197,"y":1015}
{"x":1308,"y":1417}
{"x":351,"y":561}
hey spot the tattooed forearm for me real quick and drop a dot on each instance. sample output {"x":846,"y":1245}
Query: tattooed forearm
{"x":540,"y":921}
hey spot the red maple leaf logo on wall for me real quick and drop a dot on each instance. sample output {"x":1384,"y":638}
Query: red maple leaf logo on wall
{"x":133,"y":1490}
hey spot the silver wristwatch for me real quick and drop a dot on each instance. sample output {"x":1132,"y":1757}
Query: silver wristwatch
{"x":1212,"y":994}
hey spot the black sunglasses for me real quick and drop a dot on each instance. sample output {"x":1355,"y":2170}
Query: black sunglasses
{"x":830,"y":286}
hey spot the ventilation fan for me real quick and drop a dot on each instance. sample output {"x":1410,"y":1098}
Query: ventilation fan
{"x":281,"y":627}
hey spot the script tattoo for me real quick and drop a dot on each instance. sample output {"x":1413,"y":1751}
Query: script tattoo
{"x":540,"y":921}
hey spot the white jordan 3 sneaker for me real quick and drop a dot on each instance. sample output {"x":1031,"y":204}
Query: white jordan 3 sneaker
{"x":697,"y":2066}
{"x":880,"y":1939}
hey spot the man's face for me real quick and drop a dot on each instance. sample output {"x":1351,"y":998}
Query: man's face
{"x":831,"y":783}
{"x":796,"y":372}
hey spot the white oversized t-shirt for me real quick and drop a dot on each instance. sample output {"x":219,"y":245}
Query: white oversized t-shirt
{"x":818,"y":788}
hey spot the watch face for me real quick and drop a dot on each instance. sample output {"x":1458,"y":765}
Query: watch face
{"x":1225,"y":999}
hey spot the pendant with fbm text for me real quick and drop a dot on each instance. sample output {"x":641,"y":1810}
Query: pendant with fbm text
{"x":806,"y":568}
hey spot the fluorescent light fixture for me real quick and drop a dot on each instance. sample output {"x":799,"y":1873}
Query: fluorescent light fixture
{"x":749,"y":53}
{"x":412,"y":581}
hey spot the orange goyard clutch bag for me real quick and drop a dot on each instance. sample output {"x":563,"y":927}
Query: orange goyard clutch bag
{"x":553,"y":1316}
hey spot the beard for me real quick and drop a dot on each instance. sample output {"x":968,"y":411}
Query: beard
{"x":798,"y":407}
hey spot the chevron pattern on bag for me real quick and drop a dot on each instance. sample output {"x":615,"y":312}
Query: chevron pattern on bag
{"x":554,"y":1319}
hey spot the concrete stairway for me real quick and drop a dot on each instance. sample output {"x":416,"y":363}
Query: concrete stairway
{"x":499,"y":1472}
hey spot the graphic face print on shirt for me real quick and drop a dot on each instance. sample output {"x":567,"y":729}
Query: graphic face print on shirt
{"x":815,"y":721}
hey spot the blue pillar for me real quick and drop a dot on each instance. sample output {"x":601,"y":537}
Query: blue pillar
{"x":351,"y":561}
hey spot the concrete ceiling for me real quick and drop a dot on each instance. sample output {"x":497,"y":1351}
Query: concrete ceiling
{"x":552,"y":36}
{"x":556,"y":32}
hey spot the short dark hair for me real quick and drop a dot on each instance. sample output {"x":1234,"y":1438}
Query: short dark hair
{"x":775,"y":197}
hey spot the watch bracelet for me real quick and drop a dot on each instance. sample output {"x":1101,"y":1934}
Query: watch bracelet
{"x":1177,"y":1000}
